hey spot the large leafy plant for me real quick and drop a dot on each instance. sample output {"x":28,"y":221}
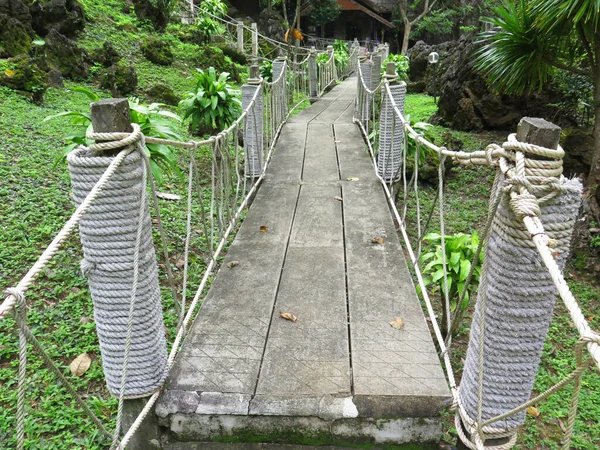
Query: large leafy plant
{"x":460,"y":250}
{"x":153,"y":121}
{"x":207,"y":24}
{"x":402,"y":65}
{"x":340,"y":46}
{"x":214,"y":105}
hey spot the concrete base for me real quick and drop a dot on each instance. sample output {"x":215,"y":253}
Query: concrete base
{"x":300,"y":430}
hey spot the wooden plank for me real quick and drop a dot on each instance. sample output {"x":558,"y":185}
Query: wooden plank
{"x":309,"y":357}
{"x":320,"y":161}
{"x":288,"y":156}
{"x":354,"y":159}
{"x":401,"y":363}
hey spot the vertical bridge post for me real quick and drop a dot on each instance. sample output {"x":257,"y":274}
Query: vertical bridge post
{"x":312,"y":73}
{"x":253,"y":124}
{"x":391,"y":129}
{"x":331,"y":52}
{"x":279,"y":68}
{"x":254,"y":40}
{"x":240,"y":36}
{"x":108,"y":234}
{"x":516,"y":295}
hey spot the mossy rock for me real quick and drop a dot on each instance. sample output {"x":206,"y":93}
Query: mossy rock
{"x":157,"y":51}
{"x":63,"y":54}
{"x":65,"y":16}
{"x":209,"y":55}
{"x":120,"y":79}
{"x":22,"y":74}
{"x":236,"y":57}
{"x":162,"y":93}
{"x":106,"y":55}
{"x":14,"y":37}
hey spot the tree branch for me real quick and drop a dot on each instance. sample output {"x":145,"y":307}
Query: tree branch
{"x":426,"y":8}
{"x":562,"y":66}
{"x":402,"y":7}
{"x":586,"y":44}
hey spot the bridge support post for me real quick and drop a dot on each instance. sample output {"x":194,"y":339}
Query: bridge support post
{"x":391,"y":129}
{"x":331,"y":51}
{"x":254,"y":40}
{"x":240,"y":37}
{"x":364,"y":99}
{"x":109,"y":264}
{"x":280,"y":67}
{"x":376,"y":70}
{"x":253,"y":124}
{"x":312,"y":73}
{"x":516,"y":295}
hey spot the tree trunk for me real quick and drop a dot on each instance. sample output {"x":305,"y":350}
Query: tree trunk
{"x":593,"y":182}
{"x":407,"y":27}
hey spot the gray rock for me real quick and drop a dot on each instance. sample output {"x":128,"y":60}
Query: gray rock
{"x":55,"y":79}
{"x":66,"y":16}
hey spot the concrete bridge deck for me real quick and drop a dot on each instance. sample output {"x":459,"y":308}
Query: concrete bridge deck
{"x":330,"y":256}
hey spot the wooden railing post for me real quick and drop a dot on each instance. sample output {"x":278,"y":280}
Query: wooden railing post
{"x":253,"y":124}
{"x":109,"y":266}
{"x":312,"y":73}
{"x":391,"y":129}
{"x":254,"y":40}
{"x":279,"y":68}
{"x":516,"y":297}
{"x":240,"y":37}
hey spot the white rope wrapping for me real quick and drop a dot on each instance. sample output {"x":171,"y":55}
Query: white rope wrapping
{"x":108,"y":233}
{"x":391,"y":137}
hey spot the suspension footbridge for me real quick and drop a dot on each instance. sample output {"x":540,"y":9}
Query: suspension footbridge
{"x":306,"y":327}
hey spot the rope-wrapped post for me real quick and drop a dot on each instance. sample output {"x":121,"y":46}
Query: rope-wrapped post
{"x":334,"y":74}
{"x":116,"y":228}
{"x":376,"y":71}
{"x":253,"y":126}
{"x":279,"y":68}
{"x":240,"y":36}
{"x":516,"y":295}
{"x":254,"y":40}
{"x":312,"y":73}
{"x":354,"y":52}
{"x":391,"y":129}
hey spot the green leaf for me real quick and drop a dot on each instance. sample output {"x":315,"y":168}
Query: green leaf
{"x":465,"y":268}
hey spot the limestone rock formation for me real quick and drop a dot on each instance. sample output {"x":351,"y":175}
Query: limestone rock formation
{"x":63,"y":54}
{"x":120,"y":79}
{"x":66,"y":16}
{"x":14,"y":37}
{"x":157,"y":51}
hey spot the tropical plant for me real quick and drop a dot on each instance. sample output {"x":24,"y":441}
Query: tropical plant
{"x":207,"y":24}
{"x":153,"y":121}
{"x":402,"y":65}
{"x":214,"y":105}
{"x":530,"y":40}
{"x":460,"y":250}
{"x":341,"y":59}
{"x":340,"y":46}
{"x":266,"y":70}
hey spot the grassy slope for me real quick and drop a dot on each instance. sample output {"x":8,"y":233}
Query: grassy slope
{"x":466,"y":203}
{"x":35,"y":201}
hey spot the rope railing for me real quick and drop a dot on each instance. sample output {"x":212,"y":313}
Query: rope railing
{"x":528,"y":197}
{"x":239,"y":157}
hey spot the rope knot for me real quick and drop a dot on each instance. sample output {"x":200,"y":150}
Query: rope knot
{"x":15,"y":300}
{"x":86,"y":267}
{"x":525,"y":205}
{"x":113,"y":141}
{"x":489,"y":154}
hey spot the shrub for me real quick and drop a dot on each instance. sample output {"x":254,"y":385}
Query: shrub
{"x":340,"y":46}
{"x":266,"y":70}
{"x":460,"y":250}
{"x":152,"y":120}
{"x":402,"y":65}
{"x":206,"y":25}
{"x":214,"y":105}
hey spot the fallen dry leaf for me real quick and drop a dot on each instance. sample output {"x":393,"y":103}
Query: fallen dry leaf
{"x":337,"y":141}
{"x":352,"y":179}
{"x":337,"y":197}
{"x":377,"y":240}
{"x":263,"y":229}
{"x":179,"y":264}
{"x":288,"y":316}
{"x":166,"y":196}
{"x":561,"y":424}
{"x":84,"y":320}
{"x":232,"y":264}
{"x":155,"y":221}
{"x":397,"y":323}
{"x":80,"y":365}
{"x":533,"y":411}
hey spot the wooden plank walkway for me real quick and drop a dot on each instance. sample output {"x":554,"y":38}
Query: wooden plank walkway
{"x":341,"y":372}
